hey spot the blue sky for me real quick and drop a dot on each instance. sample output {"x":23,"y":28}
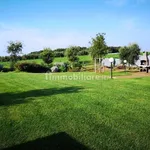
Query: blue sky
{"x":62,"y":23}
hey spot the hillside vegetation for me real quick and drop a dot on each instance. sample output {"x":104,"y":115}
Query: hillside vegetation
{"x":86,"y":59}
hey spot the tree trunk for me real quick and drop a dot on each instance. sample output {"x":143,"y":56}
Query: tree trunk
{"x":103,"y":68}
{"x":95,"y":65}
{"x":129,"y":66}
{"x":100,"y":65}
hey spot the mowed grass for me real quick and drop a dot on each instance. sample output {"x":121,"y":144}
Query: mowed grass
{"x":85,"y":59}
{"x":100,"y":114}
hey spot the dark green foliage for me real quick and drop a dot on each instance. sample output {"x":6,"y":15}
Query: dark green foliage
{"x":13,"y":49}
{"x":83,"y":52}
{"x":130,"y":53}
{"x":36,"y":53}
{"x":5,"y":58}
{"x":1,"y":67}
{"x":124,"y":53}
{"x":134,"y":51}
{"x":61,"y":50}
{"x":63,"y":67}
{"x":47,"y":55}
{"x":113,"y":49}
{"x":58,"y":54}
{"x":31,"y":67}
{"x":75,"y":66}
{"x":71,"y":53}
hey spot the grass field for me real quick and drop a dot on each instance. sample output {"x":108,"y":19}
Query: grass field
{"x":91,"y":114}
{"x":86,"y":59}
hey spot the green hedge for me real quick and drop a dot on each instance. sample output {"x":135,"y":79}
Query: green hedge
{"x":31,"y":67}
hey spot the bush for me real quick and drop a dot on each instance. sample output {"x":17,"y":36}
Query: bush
{"x":71,"y":54}
{"x":75,"y":67}
{"x":31,"y":67}
{"x":58,"y":54}
{"x":47,"y":55}
{"x":63,"y":68}
{"x":46,"y":65}
{"x":7,"y":69}
{"x":1,"y":67}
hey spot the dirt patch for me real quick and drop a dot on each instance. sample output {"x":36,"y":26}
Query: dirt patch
{"x":135,"y":75}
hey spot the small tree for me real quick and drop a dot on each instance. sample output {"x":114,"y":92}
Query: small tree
{"x":47,"y":56}
{"x":71,"y":54}
{"x":134,"y":51}
{"x":124,"y":53}
{"x":130,"y":53}
{"x":98,"y":47}
{"x":13,"y":49}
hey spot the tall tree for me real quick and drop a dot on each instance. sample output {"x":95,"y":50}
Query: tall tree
{"x":13,"y":49}
{"x":98,"y":47}
{"x":47,"y":56}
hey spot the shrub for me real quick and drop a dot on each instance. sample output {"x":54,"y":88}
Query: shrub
{"x":7,"y":69}
{"x":46,"y":65}
{"x":58,"y":54}
{"x":63,"y":68}
{"x":1,"y":67}
{"x":31,"y":67}
{"x":75,"y":67}
{"x":47,"y":55}
{"x":71,"y":54}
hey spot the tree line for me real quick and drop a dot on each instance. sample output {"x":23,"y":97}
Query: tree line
{"x":60,"y":52}
{"x":97,"y":50}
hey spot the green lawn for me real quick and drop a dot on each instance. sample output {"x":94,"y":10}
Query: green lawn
{"x":99,"y":114}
